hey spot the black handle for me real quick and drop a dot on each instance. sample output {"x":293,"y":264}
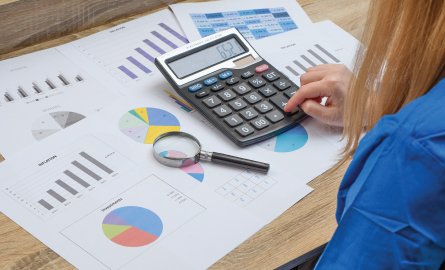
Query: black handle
{"x":240,"y":162}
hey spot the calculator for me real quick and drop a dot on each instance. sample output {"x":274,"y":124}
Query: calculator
{"x":229,"y":83}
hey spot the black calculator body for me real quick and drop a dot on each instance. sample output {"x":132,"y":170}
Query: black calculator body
{"x":226,"y":80}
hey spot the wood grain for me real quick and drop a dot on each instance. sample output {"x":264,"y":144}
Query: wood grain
{"x":301,"y":228}
{"x":24,"y":23}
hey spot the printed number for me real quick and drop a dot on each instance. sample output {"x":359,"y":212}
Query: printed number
{"x":227,"y":94}
{"x":245,"y":129}
{"x":253,"y":97}
{"x":234,"y":120}
{"x":260,"y":122}
{"x":212,"y":100}
{"x":264,"y":106}
{"x":223,"y":110}
{"x":242,"y":88}
{"x":249,"y":113}
{"x":238,"y":104}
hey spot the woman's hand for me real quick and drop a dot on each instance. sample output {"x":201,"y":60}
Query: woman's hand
{"x":331,"y":81}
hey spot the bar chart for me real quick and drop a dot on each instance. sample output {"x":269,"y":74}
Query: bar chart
{"x":70,"y":178}
{"x":128,"y":51}
{"x":313,"y":56}
{"x":39,"y":88}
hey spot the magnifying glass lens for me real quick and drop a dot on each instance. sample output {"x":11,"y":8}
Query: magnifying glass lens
{"x":176,"y":150}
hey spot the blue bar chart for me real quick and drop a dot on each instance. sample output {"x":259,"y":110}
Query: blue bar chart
{"x":156,"y":42}
{"x":128,"y":51}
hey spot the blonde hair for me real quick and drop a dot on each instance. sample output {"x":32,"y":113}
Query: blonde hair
{"x":403,"y":57}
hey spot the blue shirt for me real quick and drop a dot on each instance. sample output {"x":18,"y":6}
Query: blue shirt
{"x":391,"y":202}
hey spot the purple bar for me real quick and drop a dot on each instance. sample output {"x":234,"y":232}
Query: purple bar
{"x":173,"y":32}
{"x":164,"y":39}
{"x":138,"y":64}
{"x":154,"y":46}
{"x":128,"y":72}
{"x":145,"y":54}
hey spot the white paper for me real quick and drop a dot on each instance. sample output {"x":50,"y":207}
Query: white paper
{"x":319,"y":43}
{"x":255,"y":19}
{"x":43,"y":93}
{"x":205,"y":212}
{"x":127,"y":51}
{"x":195,"y":214}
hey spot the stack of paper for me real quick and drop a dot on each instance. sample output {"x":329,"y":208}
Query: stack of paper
{"x":80,"y":120}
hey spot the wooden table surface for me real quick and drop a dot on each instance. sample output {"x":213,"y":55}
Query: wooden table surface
{"x":303,"y":227}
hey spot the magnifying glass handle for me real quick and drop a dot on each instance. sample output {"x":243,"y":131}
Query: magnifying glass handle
{"x":238,"y":162}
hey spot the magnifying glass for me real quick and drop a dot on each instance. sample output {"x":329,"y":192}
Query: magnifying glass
{"x":179,"y":149}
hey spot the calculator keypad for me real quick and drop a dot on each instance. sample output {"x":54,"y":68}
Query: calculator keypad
{"x":227,"y":95}
{"x":242,"y":88}
{"x":238,"y":104}
{"x":212,"y":101}
{"x":249,"y":103}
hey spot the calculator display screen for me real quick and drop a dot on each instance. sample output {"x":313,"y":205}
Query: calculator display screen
{"x":205,"y":58}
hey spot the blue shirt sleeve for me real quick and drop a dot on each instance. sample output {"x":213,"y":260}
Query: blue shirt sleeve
{"x":392,"y":215}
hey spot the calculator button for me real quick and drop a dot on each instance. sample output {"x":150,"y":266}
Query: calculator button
{"x":290,"y":92}
{"x":232,"y":81}
{"x":238,"y":104}
{"x":233,"y":120}
{"x":212,"y":101}
{"x":253,"y":98}
{"x":222,"y":111}
{"x":226,"y":74}
{"x":270,"y":76}
{"x":202,"y":93}
{"x":261,"y":68}
{"x":249,"y":113}
{"x":267,"y":91}
{"x":260,"y":123}
{"x":282,"y":84}
{"x":242,"y":88}
{"x":195,"y":87}
{"x":275,"y":116}
{"x":210,"y":81}
{"x":257,"y":82}
{"x":227,"y":95}
{"x":264,"y":107}
{"x":280,"y":101}
{"x":244,"y":130}
{"x":216,"y":87}
{"x":247,"y":74}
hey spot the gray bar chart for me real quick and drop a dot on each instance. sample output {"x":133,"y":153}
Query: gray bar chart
{"x":66,"y":187}
{"x":46,"y":204}
{"x":86,"y":170}
{"x":76,"y":172}
{"x":312,"y":57}
{"x":56,"y":196}
{"x":96,"y":162}
{"x":76,"y":178}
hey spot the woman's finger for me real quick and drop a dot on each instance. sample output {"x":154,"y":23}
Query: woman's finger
{"x":309,"y":91}
{"x":312,"y":76}
{"x":322,"y":113}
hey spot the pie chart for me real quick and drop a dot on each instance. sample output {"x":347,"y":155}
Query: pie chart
{"x":144,"y":125}
{"x":194,"y":170}
{"x":53,"y":122}
{"x":288,"y":141}
{"x":132,"y":226}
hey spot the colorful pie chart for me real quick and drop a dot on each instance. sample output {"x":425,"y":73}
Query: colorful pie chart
{"x":144,"y":125}
{"x":132,"y":226}
{"x":194,"y":170}
{"x":288,"y":141}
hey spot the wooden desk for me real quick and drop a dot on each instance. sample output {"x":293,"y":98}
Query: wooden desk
{"x":303,"y":227}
